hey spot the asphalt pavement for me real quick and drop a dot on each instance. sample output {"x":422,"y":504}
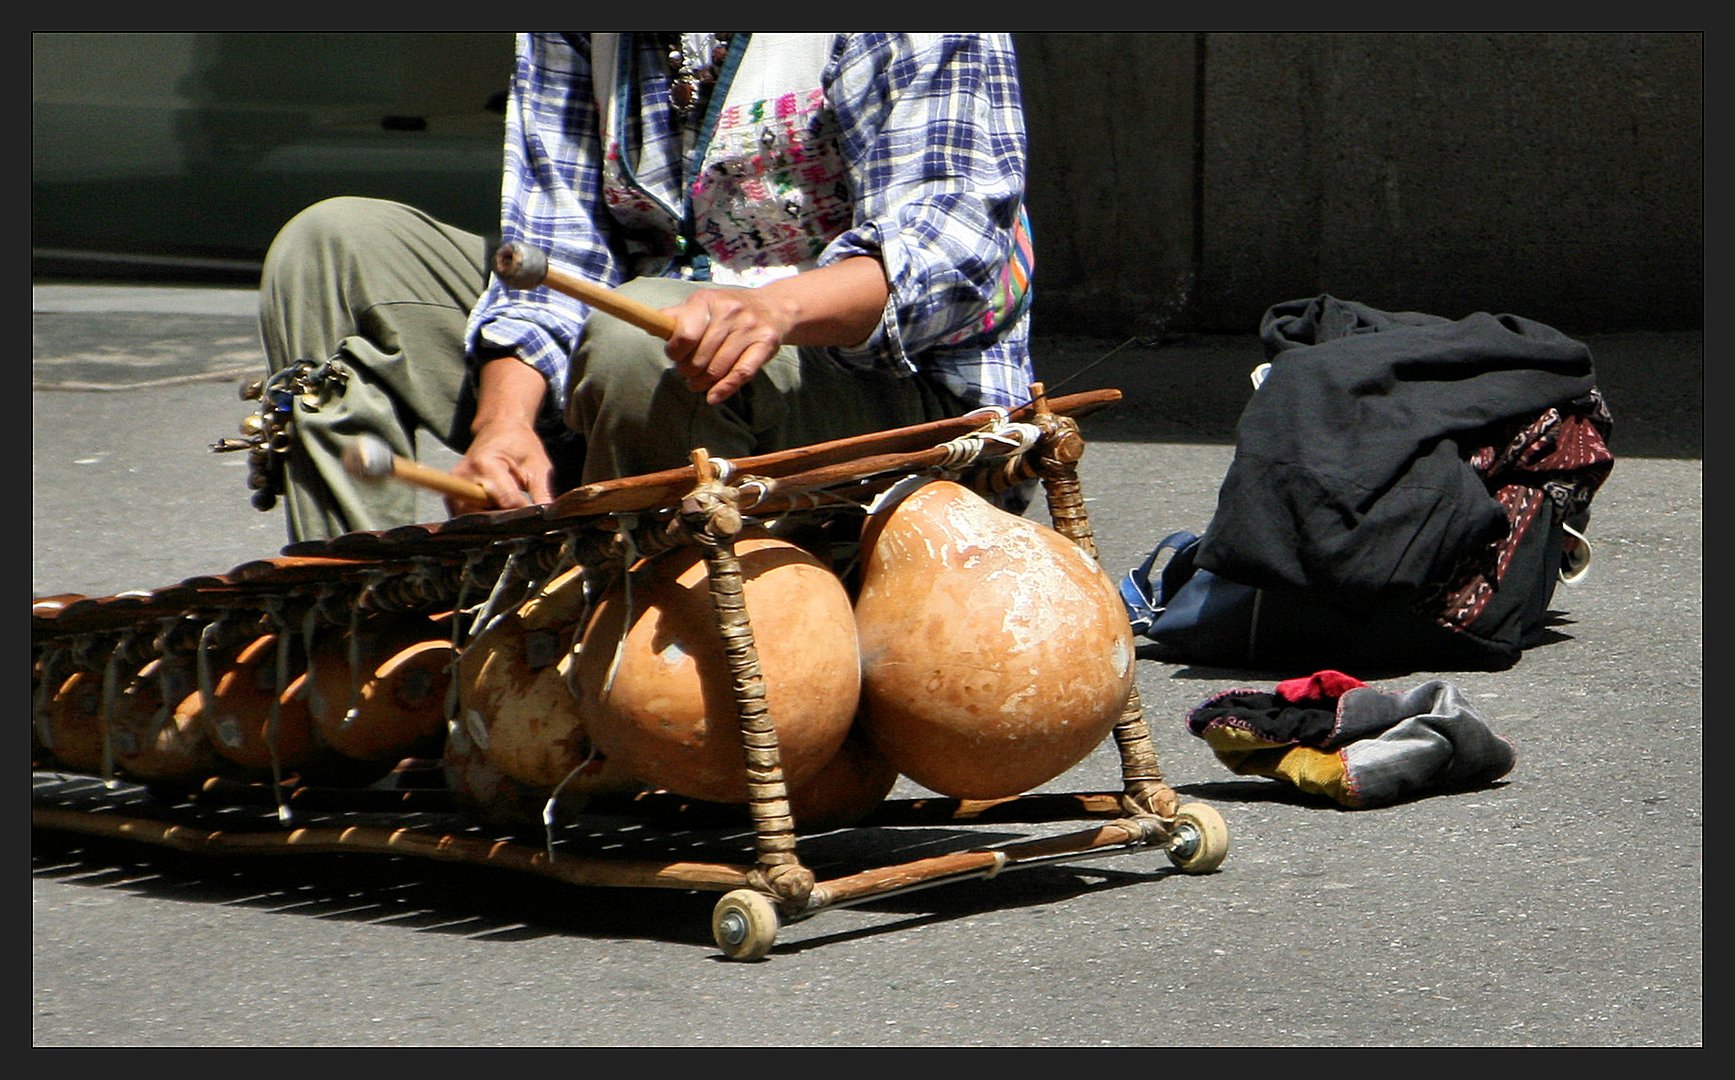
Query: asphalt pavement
{"x":1561,"y":906}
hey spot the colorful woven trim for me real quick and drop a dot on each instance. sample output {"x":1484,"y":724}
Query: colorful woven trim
{"x":1012,"y":294}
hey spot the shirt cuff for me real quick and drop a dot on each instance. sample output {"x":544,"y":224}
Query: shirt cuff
{"x":884,"y":348}
{"x":532,"y":346}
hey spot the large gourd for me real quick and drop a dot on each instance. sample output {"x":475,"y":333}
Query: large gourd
{"x":516,"y":701}
{"x":996,"y":653}
{"x":655,"y":685}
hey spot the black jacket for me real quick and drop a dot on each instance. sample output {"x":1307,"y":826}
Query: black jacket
{"x":1350,"y":477}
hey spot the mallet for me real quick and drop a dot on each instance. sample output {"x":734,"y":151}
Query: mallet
{"x":369,"y":458}
{"x":524,"y":267}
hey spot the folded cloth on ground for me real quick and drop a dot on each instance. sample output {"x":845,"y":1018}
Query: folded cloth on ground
{"x":1331,"y":734}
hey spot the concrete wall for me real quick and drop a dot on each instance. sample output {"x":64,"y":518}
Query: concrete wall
{"x":1190,"y":181}
{"x":1179,"y":180}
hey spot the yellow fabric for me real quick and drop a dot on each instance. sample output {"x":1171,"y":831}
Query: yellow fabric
{"x":1317,"y":772}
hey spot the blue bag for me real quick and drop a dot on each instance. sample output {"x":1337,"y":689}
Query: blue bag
{"x":1195,"y":616}
{"x":1189,"y":611}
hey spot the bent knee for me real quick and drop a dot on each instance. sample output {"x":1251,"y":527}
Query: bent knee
{"x":617,"y":356}
{"x":612,"y":340}
{"x":337,"y":224}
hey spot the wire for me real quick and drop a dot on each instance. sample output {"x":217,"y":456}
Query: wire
{"x":1144,"y":341}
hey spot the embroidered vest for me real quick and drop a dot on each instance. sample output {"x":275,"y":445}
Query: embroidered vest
{"x":762,"y":187}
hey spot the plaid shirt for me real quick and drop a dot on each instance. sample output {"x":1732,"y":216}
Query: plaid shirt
{"x":931,"y":130}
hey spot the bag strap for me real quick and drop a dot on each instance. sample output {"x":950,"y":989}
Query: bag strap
{"x":1142,"y":603}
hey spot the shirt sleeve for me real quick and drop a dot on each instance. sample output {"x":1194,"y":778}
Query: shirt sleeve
{"x":932,"y":126}
{"x":551,"y":199}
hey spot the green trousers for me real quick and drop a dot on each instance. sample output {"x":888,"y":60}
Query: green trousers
{"x":387,"y":291}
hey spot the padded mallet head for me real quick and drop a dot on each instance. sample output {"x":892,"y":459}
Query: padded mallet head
{"x":521,"y":266}
{"x":367,"y":457}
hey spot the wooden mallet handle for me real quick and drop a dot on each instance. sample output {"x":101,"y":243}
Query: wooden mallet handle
{"x":370,"y":459}
{"x":524,"y":267}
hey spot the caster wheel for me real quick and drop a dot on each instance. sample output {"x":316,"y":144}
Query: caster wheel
{"x":744,"y":925}
{"x":1201,"y":839}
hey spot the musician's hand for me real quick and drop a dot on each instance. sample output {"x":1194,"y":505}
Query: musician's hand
{"x":722,"y":338}
{"x":511,"y":462}
{"x":505,"y":455}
